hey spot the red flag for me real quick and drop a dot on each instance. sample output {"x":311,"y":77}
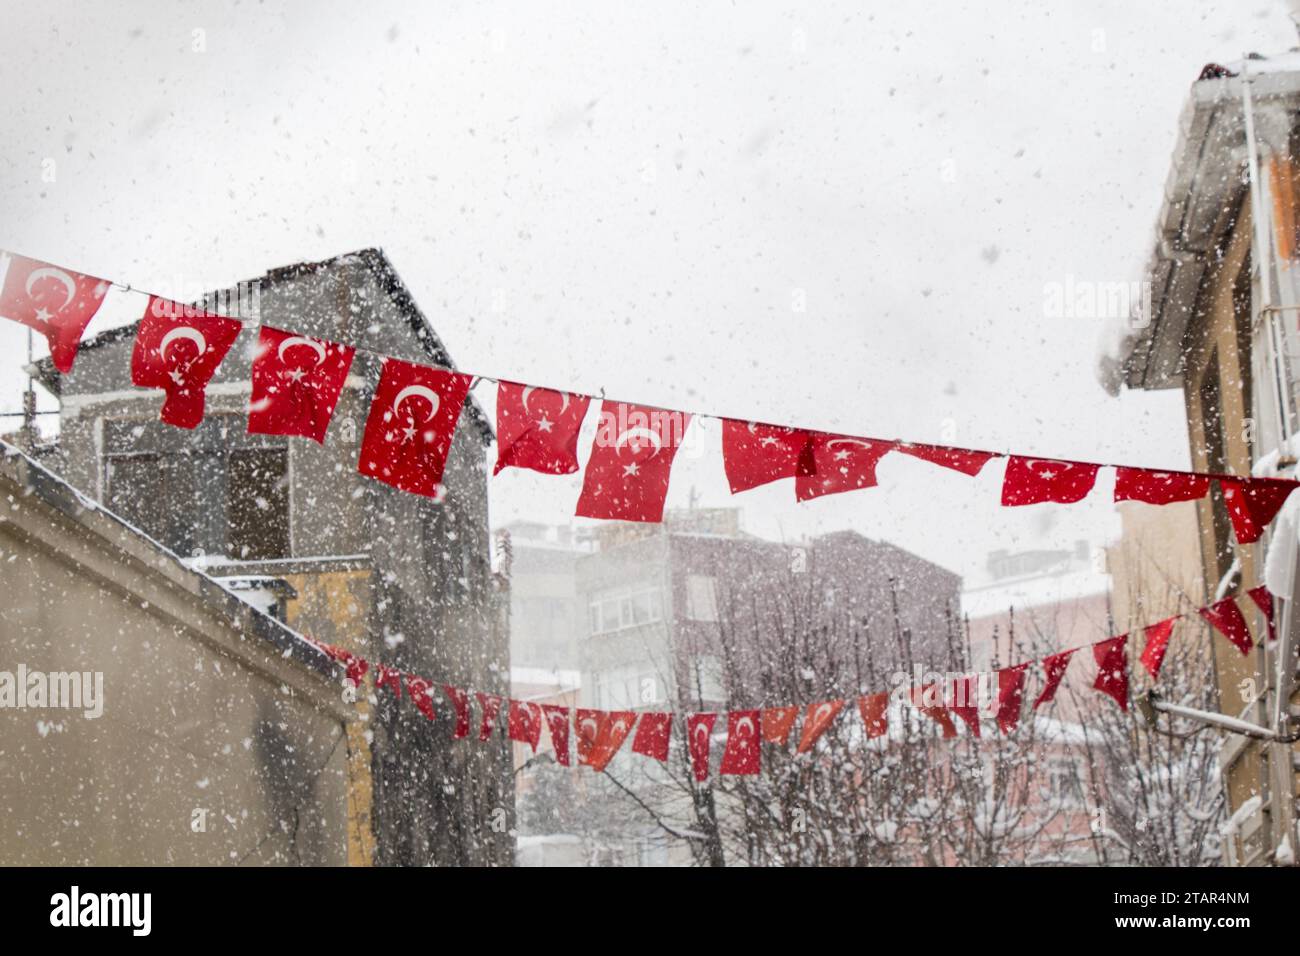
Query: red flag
{"x":387,"y":677}
{"x":777,"y":722}
{"x":964,"y":702}
{"x":1263,"y":599}
{"x":178,"y":349}
{"x":56,"y":302}
{"x":525,"y":723}
{"x":419,"y":688}
{"x":601,"y":734}
{"x":1158,"y":487}
{"x":1157,"y":642}
{"x":296,"y":384}
{"x":652,"y":735}
{"x":834,"y":463}
{"x":1030,"y":481}
{"x":460,"y":700}
{"x":875,"y":714}
{"x":1053,"y":670}
{"x":412,"y":420}
{"x":557,"y":719}
{"x":936,"y":713}
{"x":1011,"y":696}
{"x":958,"y":459}
{"x":537,"y":428}
{"x":815,"y":721}
{"x":754,"y":454}
{"x":1228,"y":621}
{"x":742,"y":756}
{"x":356,"y":668}
{"x":699,"y":728}
{"x":490,"y":705}
{"x":1112,"y":669}
{"x":631,"y":459}
{"x":1253,"y":502}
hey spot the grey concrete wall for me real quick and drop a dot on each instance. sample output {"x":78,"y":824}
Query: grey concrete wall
{"x":208,"y":706}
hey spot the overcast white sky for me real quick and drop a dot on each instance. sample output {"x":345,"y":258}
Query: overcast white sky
{"x":588,"y":196}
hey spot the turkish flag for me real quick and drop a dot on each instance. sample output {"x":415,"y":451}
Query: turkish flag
{"x":1031,"y":481}
{"x":1157,"y":642}
{"x":1011,"y":696}
{"x":1158,"y":487}
{"x":490,"y":706}
{"x":56,"y":302}
{"x":1253,"y":502}
{"x":875,"y":714}
{"x":815,"y":721}
{"x":296,"y":384}
{"x":411,"y":424}
{"x":699,"y":728}
{"x":1227,"y":619}
{"x":1263,"y":599}
{"x":419,"y":688}
{"x":178,"y":349}
{"x":777,"y":722}
{"x":631,"y":458}
{"x":964,"y":702}
{"x":388,"y":677}
{"x":557,"y":719}
{"x":652,"y":734}
{"x":742,"y":756}
{"x":1112,"y":669}
{"x":537,"y":428}
{"x":525,"y":723}
{"x":754,"y":454}
{"x":460,"y":700}
{"x":831,"y":464}
{"x":600,"y":734}
{"x":1054,"y":667}
{"x":958,"y":459}
{"x":925,"y":700}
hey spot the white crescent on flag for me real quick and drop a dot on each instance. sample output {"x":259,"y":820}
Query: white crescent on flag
{"x":58,"y":275}
{"x":183,"y":332}
{"x":304,"y":341}
{"x":417,"y":391}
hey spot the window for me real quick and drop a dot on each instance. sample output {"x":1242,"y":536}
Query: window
{"x":257,"y":503}
{"x":701,"y":598}
{"x":625,"y":609}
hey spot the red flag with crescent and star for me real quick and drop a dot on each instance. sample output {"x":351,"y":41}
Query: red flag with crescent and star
{"x":557,"y":720}
{"x":777,"y":723}
{"x":831,"y":464}
{"x":297,"y":381}
{"x":1112,"y":669}
{"x":600,"y":735}
{"x":653,"y":731}
{"x":178,"y":349}
{"x":1157,"y":643}
{"x":1031,"y":481}
{"x":1254,"y":502}
{"x":755,"y":454}
{"x":1011,"y":696}
{"x":699,"y":732}
{"x":537,"y":428}
{"x":631,"y":460}
{"x":411,"y":425}
{"x":1158,"y":487}
{"x":56,"y":302}
{"x":1054,"y":667}
{"x":1227,"y":619}
{"x":874,"y":709}
{"x":460,"y":700}
{"x":816,"y":719}
{"x":524,"y":723}
{"x":742,"y":755}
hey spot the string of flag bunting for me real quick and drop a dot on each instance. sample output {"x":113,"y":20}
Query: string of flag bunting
{"x":600,"y":734}
{"x":297,"y":380}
